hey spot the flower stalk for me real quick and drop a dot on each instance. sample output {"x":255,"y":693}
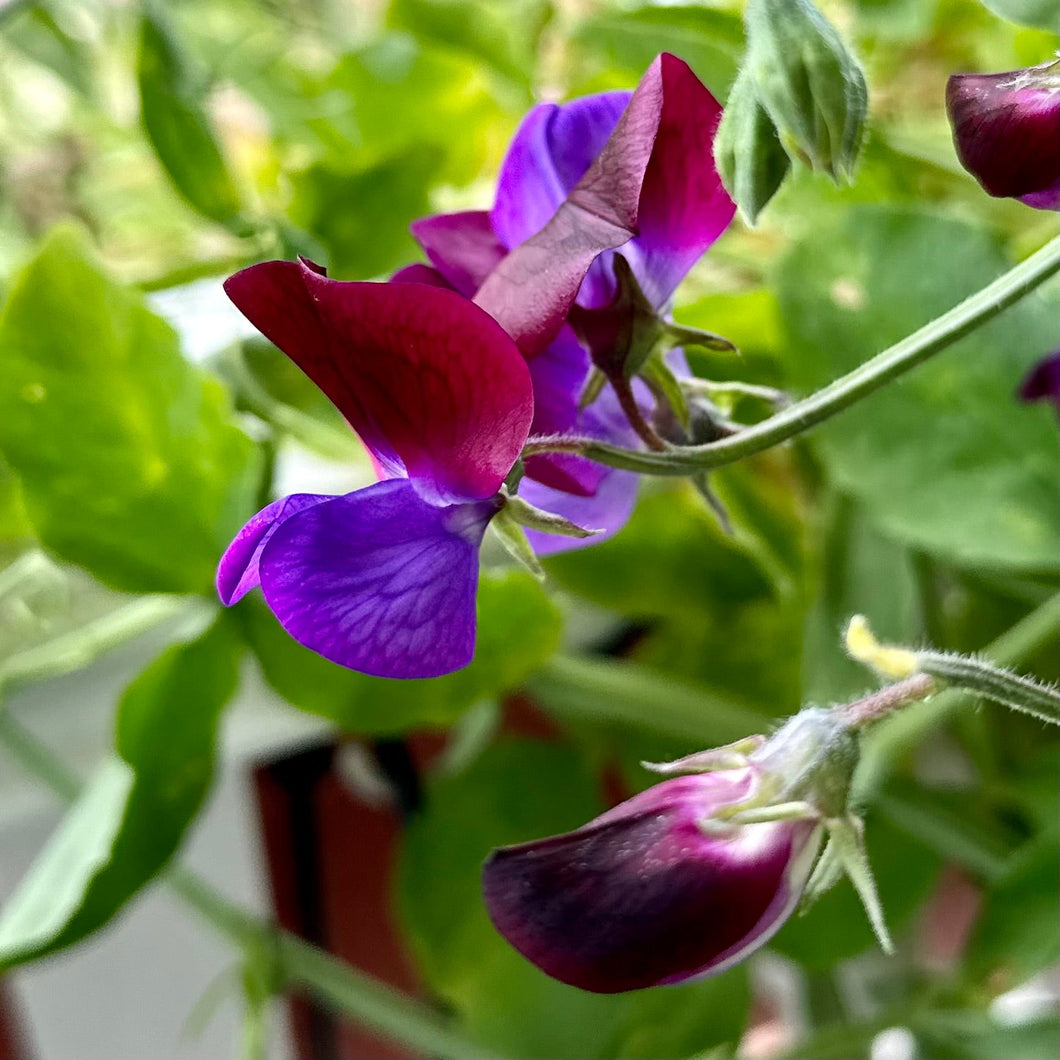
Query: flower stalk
{"x":839,"y":395}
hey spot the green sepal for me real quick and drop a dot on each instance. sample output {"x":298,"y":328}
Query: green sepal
{"x":513,"y":537}
{"x":846,"y":836}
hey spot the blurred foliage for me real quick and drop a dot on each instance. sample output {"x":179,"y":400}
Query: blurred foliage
{"x":144,"y":145}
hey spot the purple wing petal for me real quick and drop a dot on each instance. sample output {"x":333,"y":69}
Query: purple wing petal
{"x":461,"y":246}
{"x":379,"y":581}
{"x":430,"y":382}
{"x":552,"y":149}
{"x":608,"y":509}
{"x":237,"y":573}
{"x":642,"y":896}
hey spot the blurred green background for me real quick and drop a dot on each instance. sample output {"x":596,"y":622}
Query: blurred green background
{"x":147,"y":150}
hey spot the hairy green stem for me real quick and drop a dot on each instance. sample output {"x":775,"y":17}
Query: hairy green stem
{"x":297,"y":965}
{"x":867,"y":378}
{"x":892,"y":737}
{"x":977,"y":675}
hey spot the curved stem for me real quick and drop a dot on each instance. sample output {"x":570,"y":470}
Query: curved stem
{"x":1011,"y":690}
{"x":632,"y":411}
{"x":932,"y":338}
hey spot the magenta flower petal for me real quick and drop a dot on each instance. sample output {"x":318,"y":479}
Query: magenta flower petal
{"x":420,"y":273}
{"x":684,"y":206}
{"x":237,"y":573}
{"x":657,"y":162}
{"x":642,"y":896}
{"x":607,"y":509}
{"x":379,"y":580}
{"x":1006,"y":129}
{"x":461,"y":246}
{"x":431,"y":383}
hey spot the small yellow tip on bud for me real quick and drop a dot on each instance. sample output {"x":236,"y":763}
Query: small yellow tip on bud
{"x":887,"y":660}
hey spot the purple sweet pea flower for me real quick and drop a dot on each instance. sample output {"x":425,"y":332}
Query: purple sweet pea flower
{"x":1006,"y":129}
{"x":628,"y":170}
{"x":1042,"y":382}
{"x":648,"y":893}
{"x":383,"y":580}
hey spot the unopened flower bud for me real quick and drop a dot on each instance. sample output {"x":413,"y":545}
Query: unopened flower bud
{"x":1006,"y":129}
{"x":808,"y":81}
{"x":749,"y":156}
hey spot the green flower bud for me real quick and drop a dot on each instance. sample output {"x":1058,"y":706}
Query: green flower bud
{"x":749,"y":156}
{"x":808,"y":81}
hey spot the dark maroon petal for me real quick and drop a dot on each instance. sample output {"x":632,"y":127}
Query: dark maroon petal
{"x":1007,"y":134}
{"x":379,"y":580}
{"x":237,"y":573}
{"x":654,"y":179}
{"x":1042,"y":383}
{"x":642,"y":896}
{"x":461,"y":246}
{"x":428,"y":380}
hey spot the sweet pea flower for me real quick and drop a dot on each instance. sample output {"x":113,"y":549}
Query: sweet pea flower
{"x":1006,"y":129}
{"x":645,"y":894}
{"x":383,"y":580}
{"x":695,"y":874}
{"x":619,"y":172}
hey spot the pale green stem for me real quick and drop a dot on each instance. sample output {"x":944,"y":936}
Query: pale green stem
{"x":81,"y":646}
{"x":298,"y":965}
{"x":932,"y":338}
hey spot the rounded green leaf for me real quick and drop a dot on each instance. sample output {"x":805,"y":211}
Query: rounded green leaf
{"x":129,"y":461}
{"x":946,"y":460}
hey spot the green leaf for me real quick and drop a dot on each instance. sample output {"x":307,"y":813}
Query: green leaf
{"x":131,"y":816}
{"x":948,"y":460}
{"x":671,"y":559}
{"x":503,"y":34}
{"x":362,"y":215}
{"x":518,"y":791}
{"x":398,"y":95}
{"x":1041,"y":14}
{"x":710,"y":41}
{"x":172,"y":107}
{"x":14,"y":523}
{"x":39,"y":34}
{"x":518,"y":628}
{"x":129,"y":461}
